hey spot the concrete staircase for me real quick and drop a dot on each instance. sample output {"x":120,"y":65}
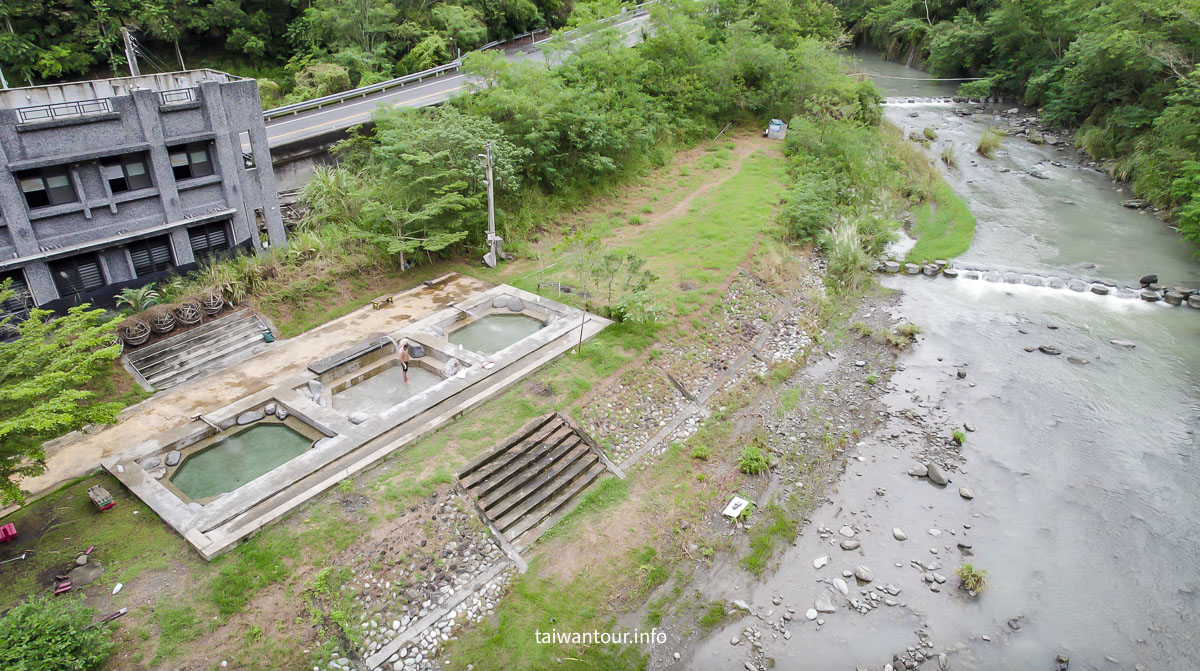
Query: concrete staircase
{"x":522,"y":485}
{"x":199,"y":351}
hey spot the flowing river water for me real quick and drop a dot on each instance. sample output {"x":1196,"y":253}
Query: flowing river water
{"x":1086,"y":477}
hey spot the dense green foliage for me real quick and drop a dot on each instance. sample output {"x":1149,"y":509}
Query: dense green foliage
{"x":49,"y":635}
{"x":44,"y":374}
{"x":321,"y":46}
{"x":604,"y":112}
{"x":1124,"y":72}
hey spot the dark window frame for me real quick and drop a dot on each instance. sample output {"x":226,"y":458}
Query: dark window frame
{"x":188,"y":167}
{"x":72,"y":276}
{"x":17,"y":306}
{"x":127,"y":181}
{"x":47,"y":196}
{"x":158,"y":253}
{"x":209,"y":233}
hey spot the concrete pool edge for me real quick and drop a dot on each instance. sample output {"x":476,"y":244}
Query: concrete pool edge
{"x":232,"y":516}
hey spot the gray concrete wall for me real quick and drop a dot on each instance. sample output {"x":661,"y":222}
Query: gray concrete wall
{"x":140,"y":122}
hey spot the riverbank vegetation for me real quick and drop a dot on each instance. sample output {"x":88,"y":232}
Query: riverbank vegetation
{"x":1123,"y":73}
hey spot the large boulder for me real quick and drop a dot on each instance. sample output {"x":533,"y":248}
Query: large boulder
{"x":249,"y":417}
{"x":936,"y":475}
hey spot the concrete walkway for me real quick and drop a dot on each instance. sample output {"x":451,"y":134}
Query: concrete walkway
{"x":80,"y":453}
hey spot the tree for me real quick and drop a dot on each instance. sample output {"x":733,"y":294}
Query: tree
{"x":52,"y":635}
{"x":44,"y":374}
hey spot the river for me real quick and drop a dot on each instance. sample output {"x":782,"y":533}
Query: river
{"x":1086,"y":477}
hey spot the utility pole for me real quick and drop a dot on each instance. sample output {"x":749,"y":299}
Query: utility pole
{"x":493,"y":240}
{"x":130,"y":52}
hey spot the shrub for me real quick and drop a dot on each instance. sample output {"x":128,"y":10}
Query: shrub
{"x":51,"y":635}
{"x":701,"y":452}
{"x":971,"y":579}
{"x":753,"y":462}
{"x":958,"y":436}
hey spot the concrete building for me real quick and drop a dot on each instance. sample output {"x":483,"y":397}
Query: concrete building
{"x":114,"y":183}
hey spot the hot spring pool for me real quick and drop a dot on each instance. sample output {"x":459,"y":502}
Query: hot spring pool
{"x":491,"y":333}
{"x":232,"y":461}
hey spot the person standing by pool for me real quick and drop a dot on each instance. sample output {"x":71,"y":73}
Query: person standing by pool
{"x":404,"y":359}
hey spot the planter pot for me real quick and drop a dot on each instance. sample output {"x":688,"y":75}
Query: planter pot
{"x":211,"y":303}
{"x":188,"y":312}
{"x":133,"y":332}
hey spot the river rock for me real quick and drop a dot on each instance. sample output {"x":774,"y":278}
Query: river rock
{"x":1173,"y":298}
{"x":1038,"y":174}
{"x":950,"y":273}
{"x":1123,"y":343}
{"x":1078,"y":360}
{"x":158,"y":473}
{"x":358,"y":417}
{"x":841,"y":586}
{"x":1150,"y":296}
{"x":282,"y":412}
{"x":850,"y":544}
{"x":864,"y":573}
{"x":1049,"y":349}
{"x":1193,"y":301}
{"x":151,"y":463}
{"x":919,"y":471}
{"x":824,"y":604}
{"x":270,"y":408}
{"x":966,"y":493}
{"x":173,"y":457}
{"x":1147,"y":280}
{"x":1100,"y":290}
{"x":898,"y":534}
{"x":81,"y":560}
{"x":515,"y":304}
{"x":846,"y":531}
{"x":740,"y":605}
{"x":936,"y":475}
{"x":811,"y":613}
{"x":249,"y":417}
{"x":821,"y":562}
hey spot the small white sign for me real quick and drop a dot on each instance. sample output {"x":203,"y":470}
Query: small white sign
{"x":736,"y":505}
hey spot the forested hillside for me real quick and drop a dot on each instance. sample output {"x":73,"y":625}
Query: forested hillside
{"x":1123,"y":72}
{"x":304,"y":47}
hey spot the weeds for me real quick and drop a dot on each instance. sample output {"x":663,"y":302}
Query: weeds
{"x":973,"y":580}
{"x":989,"y":142}
{"x":949,"y":156}
{"x":930,"y":133}
{"x":752,"y":461}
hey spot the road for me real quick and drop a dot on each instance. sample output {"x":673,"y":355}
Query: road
{"x":318,"y":122}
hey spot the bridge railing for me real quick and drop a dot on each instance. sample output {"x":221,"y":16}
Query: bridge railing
{"x":452,"y":66}
{"x":362,"y":91}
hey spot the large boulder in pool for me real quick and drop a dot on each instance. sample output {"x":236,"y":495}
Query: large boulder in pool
{"x":270,"y":408}
{"x":173,"y":457}
{"x":282,"y":412}
{"x":358,"y":417}
{"x":415,"y":350}
{"x":515,"y":304}
{"x":500,"y":301}
{"x":249,"y":417}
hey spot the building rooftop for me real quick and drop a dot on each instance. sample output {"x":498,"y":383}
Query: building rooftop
{"x":98,"y":89}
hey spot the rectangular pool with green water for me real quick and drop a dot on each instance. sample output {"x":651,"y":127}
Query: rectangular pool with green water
{"x":491,"y":333}
{"x":232,"y":460}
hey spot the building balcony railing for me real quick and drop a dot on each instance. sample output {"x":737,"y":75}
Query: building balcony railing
{"x":69,"y":110}
{"x":177,"y":96}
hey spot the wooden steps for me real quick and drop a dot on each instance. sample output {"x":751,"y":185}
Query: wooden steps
{"x":522,"y":485}
{"x":198,"y":351}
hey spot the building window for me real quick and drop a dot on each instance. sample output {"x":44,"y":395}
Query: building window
{"x":150,"y":255}
{"x":208,"y":239}
{"x":191,"y":160}
{"x":126,"y":173}
{"x":48,"y":186}
{"x":77,"y":274}
{"x":16,"y":306}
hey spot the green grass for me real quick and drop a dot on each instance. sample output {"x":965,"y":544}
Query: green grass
{"x":713,"y":616}
{"x":777,"y":528}
{"x":603,"y":496}
{"x":989,"y":142}
{"x":178,"y":625}
{"x":129,"y":539}
{"x":945,"y":226}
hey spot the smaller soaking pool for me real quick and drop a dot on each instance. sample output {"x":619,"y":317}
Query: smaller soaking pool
{"x":231,"y":460}
{"x":491,"y":333}
{"x":384,"y":388}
